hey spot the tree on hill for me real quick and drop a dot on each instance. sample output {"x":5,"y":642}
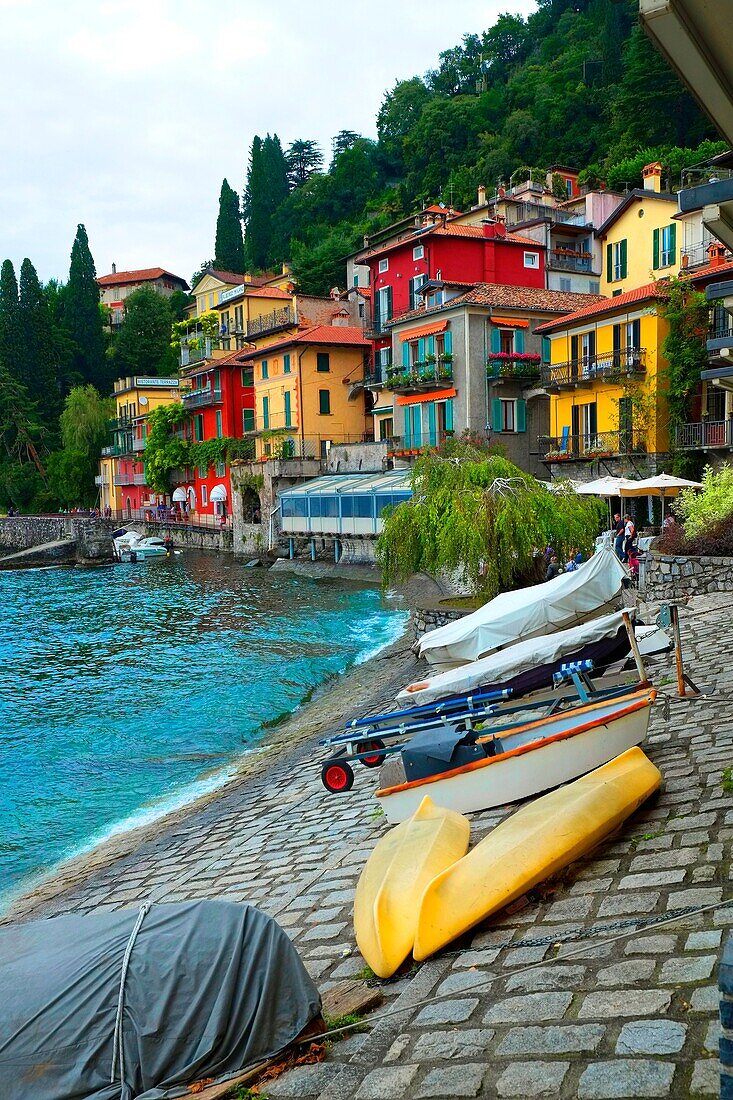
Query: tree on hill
{"x":83,"y":317}
{"x":39,"y":365}
{"x":342,"y":141}
{"x":143,"y":343}
{"x":84,"y":430}
{"x":11,"y":327}
{"x":303,"y":159}
{"x":267,"y":187}
{"x":229,"y":247}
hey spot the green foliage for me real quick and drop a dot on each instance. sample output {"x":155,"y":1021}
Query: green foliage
{"x":687,"y":313}
{"x":166,"y":451}
{"x":143,"y":343}
{"x":351,"y":1020}
{"x":702,"y":509}
{"x":229,"y":248}
{"x":474,"y":512}
{"x":39,"y":366}
{"x":303,"y":159}
{"x":84,"y":428}
{"x":83,"y":318}
{"x":320,"y":266}
{"x":728,"y":781}
{"x":267,"y":187}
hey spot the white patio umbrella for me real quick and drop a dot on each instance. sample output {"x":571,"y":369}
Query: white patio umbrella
{"x":604,"y":487}
{"x":662,"y":486}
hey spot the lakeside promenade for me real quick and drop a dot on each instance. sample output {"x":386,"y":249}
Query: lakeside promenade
{"x":633,"y":1017}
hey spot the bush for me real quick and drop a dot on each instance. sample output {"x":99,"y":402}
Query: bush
{"x":715,"y":542}
{"x":700,"y":510}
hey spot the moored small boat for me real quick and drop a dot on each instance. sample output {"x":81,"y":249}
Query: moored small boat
{"x":509,"y":763}
{"x":395,"y":877}
{"x":536,"y":842}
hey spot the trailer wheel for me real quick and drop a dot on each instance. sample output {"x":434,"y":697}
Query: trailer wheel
{"x":336,"y":777}
{"x":374,"y":753}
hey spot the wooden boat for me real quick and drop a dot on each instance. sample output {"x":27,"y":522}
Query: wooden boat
{"x":536,"y":842}
{"x":394,"y":879}
{"x":513,"y":762}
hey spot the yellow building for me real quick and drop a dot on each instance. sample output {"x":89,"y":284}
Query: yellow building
{"x":603,"y":376}
{"x":121,"y":477}
{"x":306,"y":393}
{"x":640,"y":238}
{"x":216,"y":286}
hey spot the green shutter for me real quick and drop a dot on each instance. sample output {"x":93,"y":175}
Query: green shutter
{"x":449,"y":415}
{"x":546,"y":349}
{"x":405,"y":355}
{"x":617,"y":337}
{"x":624,"y":258}
{"x":421,"y":350}
{"x":521,"y":419}
{"x":609,"y":262}
{"x":496,"y":414}
{"x":286,"y":397}
{"x":265,"y":412}
{"x":389,"y":304}
{"x":655,"y":250}
{"x":432,"y":429}
{"x":448,"y":342}
{"x":672,"y":243}
{"x":495,"y":339}
{"x":519,"y":340}
{"x":408,"y":433}
{"x":431,"y":345}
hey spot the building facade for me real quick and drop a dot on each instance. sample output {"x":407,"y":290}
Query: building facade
{"x":116,"y":287}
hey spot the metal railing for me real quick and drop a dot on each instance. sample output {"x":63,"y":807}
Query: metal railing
{"x":590,"y":445}
{"x":171,"y":516}
{"x":420,"y":376}
{"x":128,"y":479}
{"x":138,"y":444}
{"x":522,"y":370}
{"x":197,"y":349}
{"x":695,"y":254}
{"x":284,"y":447}
{"x":401,"y":444}
{"x":377,"y":376}
{"x":705,"y":435}
{"x":271,"y":322}
{"x":197,"y":399}
{"x":115,"y":450}
{"x":589,"y":367}
{"x":562,"y":261}
{"x":520,"y":214}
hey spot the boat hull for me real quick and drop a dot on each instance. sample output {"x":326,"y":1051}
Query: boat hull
{"x":546,"y":754}
{"x":395,"y":877}
{"x":536,"y":842}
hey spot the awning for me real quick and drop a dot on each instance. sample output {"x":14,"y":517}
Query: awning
{"x":179,"y":494}
{"x":219,"y":492}
{"x":420,"y":398}
{"x":510,"y":322}
{"x":423,"y":330}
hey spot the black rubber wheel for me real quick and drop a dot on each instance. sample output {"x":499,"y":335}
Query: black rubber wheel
{"x":375,"y":750}
{"x":337,"y":777}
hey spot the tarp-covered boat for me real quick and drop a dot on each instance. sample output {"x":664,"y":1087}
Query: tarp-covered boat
{"x":566,"y":601}
{"x":135,"y":1005}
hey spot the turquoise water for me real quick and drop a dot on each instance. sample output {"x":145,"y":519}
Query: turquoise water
{"x":128,"y":690}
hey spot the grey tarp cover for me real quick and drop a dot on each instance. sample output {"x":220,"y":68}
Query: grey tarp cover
{"x":212,"y":987}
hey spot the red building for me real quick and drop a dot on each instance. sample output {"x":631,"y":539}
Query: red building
{"x":219,"y":396}
{"x":411,"y":269}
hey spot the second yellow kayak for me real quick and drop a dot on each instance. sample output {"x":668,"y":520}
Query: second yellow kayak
{"x":533,"y":844}
{"x":394,"y":879}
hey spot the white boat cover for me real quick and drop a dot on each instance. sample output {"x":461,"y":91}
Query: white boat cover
{"x":541,"y":650}
{"x":511,"y":617}
{"x":211,"y":988}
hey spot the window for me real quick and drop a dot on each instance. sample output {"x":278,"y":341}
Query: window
{"x":616,"y":261}
{"x":664,"y":247}
{"x":286,"y":399}
{"x":594,"y":286}
{"x":198,"y":427}
{"x":418,"y":252}
{"x":204,"y":496}
{"x":383,"y":303}
{"x":566,"y":284}
{"x":248,"y":377}
{"x":361,"y":311}
{"x":506,"y":340}
{"x":323,"y":362}
{"x":238,"y":318}
{"x":225,"y":322}
{"x":415,"y":285}
{"x":265,"y":369}
{"x":383,"y":266}
{"x":324,"y":402}
{"x":356,"y":281}
{"x":569,"y":188}
{"x":248,"y":420}
{"x":221,"y":469}
{"x":531,"y":259}
{"x":508,"y":419}
{"x":203,"y":471}
{"x":265,"y":412}
{"x":386,"y":428}
{"x":219,"y":432}
{"x":286,"y":363}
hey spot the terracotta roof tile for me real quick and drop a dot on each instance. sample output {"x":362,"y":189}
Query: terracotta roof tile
{"x":528,"y":298}
{"x":142,"y":275}
{"x":326,"y":335}
{"x":644,"y":293}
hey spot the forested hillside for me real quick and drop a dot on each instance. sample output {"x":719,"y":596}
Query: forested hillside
{"x":576,"y":83}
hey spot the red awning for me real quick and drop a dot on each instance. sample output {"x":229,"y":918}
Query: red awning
{"x":420,"y":398}
{"x":424,"y":330}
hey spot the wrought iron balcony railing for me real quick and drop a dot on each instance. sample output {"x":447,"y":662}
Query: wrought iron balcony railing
{"x":625,"y":361}
{"x":591,"y":445}
{"x":421,"y":377}
{"x":705,"y":435}
{"x":128,"y":479}
{"x":518,"y":369}
{"x":271,"y":322}
{"x":560,"y":260}
{"x":402,"y":444}
{"x":198,"y":399}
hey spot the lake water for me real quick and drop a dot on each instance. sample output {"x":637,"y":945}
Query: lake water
{"x":128,"y":690}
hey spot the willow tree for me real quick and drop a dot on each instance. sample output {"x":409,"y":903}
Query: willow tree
{"x":478,"y":514}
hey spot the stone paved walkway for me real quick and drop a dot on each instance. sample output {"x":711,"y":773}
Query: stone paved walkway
{"x":637,"y":1017}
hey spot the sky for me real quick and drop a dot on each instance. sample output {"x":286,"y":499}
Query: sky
{"x":126,"y":116}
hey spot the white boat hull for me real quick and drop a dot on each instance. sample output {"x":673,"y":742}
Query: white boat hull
{"x":557,"y":756}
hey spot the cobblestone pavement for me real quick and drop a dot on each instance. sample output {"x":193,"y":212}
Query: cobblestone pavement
{"x":632,"y":1018}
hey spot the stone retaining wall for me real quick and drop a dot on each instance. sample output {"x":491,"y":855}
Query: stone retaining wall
{"x":426,"y":619}
{"x":193,"y":538}
{"x":672,"y":577}
{"x":91,"y":536}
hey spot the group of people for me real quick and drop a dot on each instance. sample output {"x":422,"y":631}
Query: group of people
{"x":554,"y":566}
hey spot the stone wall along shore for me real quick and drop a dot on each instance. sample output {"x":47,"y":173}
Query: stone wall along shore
{"x":673,"y":577}
{"x":425,"y":619}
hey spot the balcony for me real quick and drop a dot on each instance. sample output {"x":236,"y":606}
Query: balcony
{"x":592,"y":446}
{"x":524,"y":368}
{"x":114,"y":450}
{"x":406,"y":445}
{"x":272,"y":322}
{"x":378,"y":375}
{"x":128,"y":479}
{"x":526,"y":212}
{"x":708,"y":435}
{"x":138,"y":444}
{"x":579,"y":372}
{"x":199,"y":399}
{"x":197,"y":349}
{"x":421,"y":377}
{"x":564,"y":259}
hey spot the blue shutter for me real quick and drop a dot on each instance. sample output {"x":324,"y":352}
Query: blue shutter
{"x":495,"y":340}
{"x":519,"y":340}
{"x":449,"y":415}
{"x":448,"y":342}
{"x":286,"y":397}
{"x":496,"y":424}
{"x":421,"y":350}
{"x":431,"y":345}
{"x":408,"y":433}
{"x":405,"y":355}
{"x":432,"y":429}
{"x":521,"y":417}
{"x":416,"y":425}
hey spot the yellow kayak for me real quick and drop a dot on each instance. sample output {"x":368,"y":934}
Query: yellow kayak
{"x":533,"y":844}
{"x":396,"y":874}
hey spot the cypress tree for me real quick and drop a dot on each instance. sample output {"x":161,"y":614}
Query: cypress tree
{"x":267,"y":187}
{"x":83,"y":315}
{"x":229,"y":246}
{"x":39,"y":374}
{"x":11,"y":327}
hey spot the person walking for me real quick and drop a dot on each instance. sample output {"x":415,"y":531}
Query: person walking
{"x":629,"y":537}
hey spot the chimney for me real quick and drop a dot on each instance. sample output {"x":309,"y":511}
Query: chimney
{"x":114,"y":269}
{"x":652,"y":176}
{"x":481,"y":195}
{"x":500,"y":225}
{"x":716,"y":254}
